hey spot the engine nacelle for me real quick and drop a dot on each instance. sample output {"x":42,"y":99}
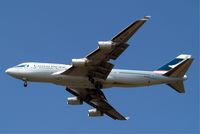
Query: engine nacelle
{"x":94,"y":112}
{"x":79,"y":62}
{"x":105,"y":45}
{"x":74,"y":101}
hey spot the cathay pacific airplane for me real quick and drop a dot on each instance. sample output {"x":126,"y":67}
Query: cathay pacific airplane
{"x":86,"y":77}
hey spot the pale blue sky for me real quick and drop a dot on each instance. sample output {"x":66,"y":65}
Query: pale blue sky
{"x":57,"y":31}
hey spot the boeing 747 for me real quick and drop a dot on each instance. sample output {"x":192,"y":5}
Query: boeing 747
{"x":86,"y":77}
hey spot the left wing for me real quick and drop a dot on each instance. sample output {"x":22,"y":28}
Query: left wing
{"x":96,"y":65}
{"x":97,"y":99}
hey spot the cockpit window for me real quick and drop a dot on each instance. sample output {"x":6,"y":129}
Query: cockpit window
{"x":22,"y":65}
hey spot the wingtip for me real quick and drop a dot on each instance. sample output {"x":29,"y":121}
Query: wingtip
{"x":147,"y":17}
{"x":127,"y":118}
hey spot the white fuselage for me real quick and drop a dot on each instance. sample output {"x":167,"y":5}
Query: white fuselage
{"x":51,"y":73}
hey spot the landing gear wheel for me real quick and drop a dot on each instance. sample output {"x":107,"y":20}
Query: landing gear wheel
{"x":25,"y":84}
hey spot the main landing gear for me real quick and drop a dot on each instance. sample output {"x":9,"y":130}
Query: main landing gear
{"x":98,"y":85}
{"x":97,"y":93}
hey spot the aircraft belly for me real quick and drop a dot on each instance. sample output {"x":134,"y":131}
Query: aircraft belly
{"x":130,"y":80}
{"x":73,"y":81}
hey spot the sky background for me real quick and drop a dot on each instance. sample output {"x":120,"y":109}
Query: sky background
{"x":57,"y":31}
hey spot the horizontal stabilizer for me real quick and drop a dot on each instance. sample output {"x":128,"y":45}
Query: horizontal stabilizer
{"x":178,"y":86}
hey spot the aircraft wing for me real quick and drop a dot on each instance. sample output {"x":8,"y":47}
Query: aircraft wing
{"x":126,"y":34}
{"x":96,"y":64}
{"x":97,"y":99}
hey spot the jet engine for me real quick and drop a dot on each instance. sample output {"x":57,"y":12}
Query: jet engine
{"x":79,"y":62}
{"x":94,"y":112}
{"x":105,"y":45}
{"x":74,"y":101}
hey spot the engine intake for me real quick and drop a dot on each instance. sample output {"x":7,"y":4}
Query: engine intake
{"x":74,"y":101}
{"x":105,"y":45}
{"x":94,"y":113}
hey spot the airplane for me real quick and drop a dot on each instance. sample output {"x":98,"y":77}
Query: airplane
{"x":86,"y":77}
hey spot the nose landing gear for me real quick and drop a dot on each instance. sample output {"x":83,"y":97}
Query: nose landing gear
{"x":25,"y":84}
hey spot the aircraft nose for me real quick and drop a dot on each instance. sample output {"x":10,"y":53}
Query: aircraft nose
{"x":14,"y":73}
{"x":9,"y":71}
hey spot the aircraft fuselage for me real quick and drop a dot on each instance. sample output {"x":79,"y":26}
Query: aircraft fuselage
{"x":50,"y":73}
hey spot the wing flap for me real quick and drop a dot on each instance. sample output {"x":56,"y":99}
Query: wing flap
{"x":118,"y":51}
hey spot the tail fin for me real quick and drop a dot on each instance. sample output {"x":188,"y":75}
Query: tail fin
{"x":177,"y":68}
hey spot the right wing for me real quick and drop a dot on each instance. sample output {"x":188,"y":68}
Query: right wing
{"x":97,"y":99}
